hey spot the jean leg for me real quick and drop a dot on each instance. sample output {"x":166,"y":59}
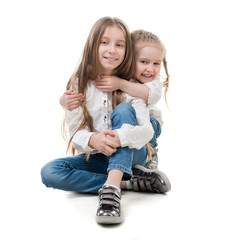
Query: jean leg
{"x":124,"y":158}
{"x":157,"y":131}
{"x":76,"y":174}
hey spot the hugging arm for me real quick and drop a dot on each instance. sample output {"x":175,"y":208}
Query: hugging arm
{"x":112,"y":83}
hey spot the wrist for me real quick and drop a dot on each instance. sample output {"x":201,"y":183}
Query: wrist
{"x":122,"y":84}
{"x":90,"y":142}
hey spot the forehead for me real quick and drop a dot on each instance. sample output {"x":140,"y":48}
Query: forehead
{"x":114,"y":32}
{"x":153,"y":51}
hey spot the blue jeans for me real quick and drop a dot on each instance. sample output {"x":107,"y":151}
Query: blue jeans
{"x":157,"y":131}
{"x":77,"y":174}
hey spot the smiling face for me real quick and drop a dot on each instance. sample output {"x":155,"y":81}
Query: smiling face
{"x":111,"y":50}
{"x":149,"y":57}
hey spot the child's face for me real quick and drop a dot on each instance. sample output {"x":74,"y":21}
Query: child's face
{"x":111,"y":49}
{"x":149,"y":57}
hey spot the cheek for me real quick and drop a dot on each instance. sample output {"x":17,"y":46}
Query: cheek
{"x":157,"y":70}
{"x":99,"y":52}
{"x":122,"y":53}
{"x":139,"y":68}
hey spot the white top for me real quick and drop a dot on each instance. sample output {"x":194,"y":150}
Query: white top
{"x":131,"y":136}
{"x":155,"y":93}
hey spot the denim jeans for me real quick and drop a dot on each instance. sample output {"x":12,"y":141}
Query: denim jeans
{"x":157,"y":131}
{"x":77,"y":174}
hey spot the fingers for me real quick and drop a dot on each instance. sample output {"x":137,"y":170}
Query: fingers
{"x":104,"y":88}
{"x":101,"y":83}
{"x":111,"y":139}
{"x":73,"y":101}
{"x":111,"y":144}
{"x":108,"y":132}
{"x":108,"y":151}
{"x":69,"y":92}
{"x":75,"y":96}
{"x":109,"y":147}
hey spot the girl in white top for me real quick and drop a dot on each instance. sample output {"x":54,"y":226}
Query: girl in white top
{"x":150,"y":53}
{"x":108,"y":129}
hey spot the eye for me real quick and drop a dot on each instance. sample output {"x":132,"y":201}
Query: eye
{"x":120,"y":45}
{"x":157,"y":63}
{"x":144,"y":62}
{"x":104,"y":42}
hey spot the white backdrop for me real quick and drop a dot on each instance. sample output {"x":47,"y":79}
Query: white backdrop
{"x":201,"y":146}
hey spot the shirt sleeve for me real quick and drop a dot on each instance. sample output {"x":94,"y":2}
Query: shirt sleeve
{"x":139,"y":135}
{"x":81,"y":137}
{"x":155,"y":91}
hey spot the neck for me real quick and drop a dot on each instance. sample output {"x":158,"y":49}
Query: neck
{"x":107,"y":72}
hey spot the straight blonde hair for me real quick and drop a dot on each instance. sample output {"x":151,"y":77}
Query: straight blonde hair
{"x":89,"y":68}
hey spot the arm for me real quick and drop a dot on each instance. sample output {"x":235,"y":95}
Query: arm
{"x":135,"y":89}
{"x":155,"y":90}
{"x":112,"y":83}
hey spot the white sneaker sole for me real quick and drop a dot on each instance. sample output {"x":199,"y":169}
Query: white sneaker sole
{"x":108,"y":220}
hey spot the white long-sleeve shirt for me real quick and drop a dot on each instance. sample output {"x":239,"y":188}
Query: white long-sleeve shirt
{"x":131,"y":136}
{"x":155,"y":93}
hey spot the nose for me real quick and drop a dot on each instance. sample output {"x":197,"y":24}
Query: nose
{"x":149,"y":68}
{"x":111,"y":48}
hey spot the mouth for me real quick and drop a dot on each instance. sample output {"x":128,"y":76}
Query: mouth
{"x":111,"y":59}
{"x":147,"y":75}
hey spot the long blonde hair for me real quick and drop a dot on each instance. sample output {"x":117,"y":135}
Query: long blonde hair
{"x":89,"y":67}
{"x":145,"y":36}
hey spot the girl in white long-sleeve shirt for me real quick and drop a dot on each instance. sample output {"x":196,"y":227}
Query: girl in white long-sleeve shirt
{"x":149,"y":54}
{"x":109,"y":130}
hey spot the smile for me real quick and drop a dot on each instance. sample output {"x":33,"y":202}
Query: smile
{"x":111,"y":59}
{"x":147,"y":75}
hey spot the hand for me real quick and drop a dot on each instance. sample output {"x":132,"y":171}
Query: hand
{"x":103,"y":143}
{"x":71,"y":100}
{"x":114,"y":138}
{"x":108,"y":83}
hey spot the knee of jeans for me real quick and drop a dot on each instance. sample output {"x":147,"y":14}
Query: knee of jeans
{"x":47,"y":174}
{"x":124,"y":112}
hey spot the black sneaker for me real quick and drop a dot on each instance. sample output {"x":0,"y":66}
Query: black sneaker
{"x":149,"y":180}
{"x":109,"y":205}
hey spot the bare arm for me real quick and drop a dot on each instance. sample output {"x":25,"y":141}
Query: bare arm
{"x":112,"y":83}
{"x":135,"y":89}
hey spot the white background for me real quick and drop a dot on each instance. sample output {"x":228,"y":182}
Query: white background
{"x":201,"y":146}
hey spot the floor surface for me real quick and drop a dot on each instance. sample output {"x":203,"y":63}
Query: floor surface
{"x":196,"y":208}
